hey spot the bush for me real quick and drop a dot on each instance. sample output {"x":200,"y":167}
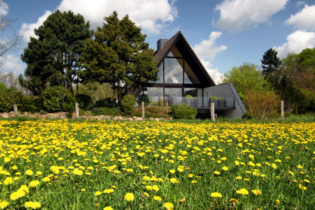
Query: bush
{"x":274,"y":115}
{"x":8,"y":98}
{"x":107,"y":102}
{"x":261,"y":104}
{"x":85,"y":101}
{"x":145,"y":98}
{"x":160,"y":102}
{"x":246,"y":116}
{"x":128,"y":104}
{"x":287,"y":114}
{"x":31,"y":104}
{"x":115,"y":111}
{"x":183,"y":111}
{"x":58,"y":98}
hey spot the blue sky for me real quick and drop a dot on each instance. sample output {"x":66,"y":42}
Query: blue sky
{"x":223,"y":33}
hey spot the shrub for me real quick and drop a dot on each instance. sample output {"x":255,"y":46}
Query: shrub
{"x":115,"y":111}
{"x":145,"y":98}
{"x":8,"y":98}
{"x":261,"y":104}
{"x":58,"y":98}
{"x":287,"y":114}
{"x":31,"y":104}
{"x":274,"y":115}
{"x":183,"y":111}
{"x":85,"y":101}
{"x":160,"y":102}
{"x":107,"y":102}
{"x":247,"y":116}
{"x":128,"y":104}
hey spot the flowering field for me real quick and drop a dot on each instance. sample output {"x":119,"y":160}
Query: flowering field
{"x":156,"y":165}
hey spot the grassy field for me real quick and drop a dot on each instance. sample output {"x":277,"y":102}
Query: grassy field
{"x":61,"y":164}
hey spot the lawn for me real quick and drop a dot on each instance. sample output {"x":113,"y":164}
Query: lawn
{"x":61,"y":164}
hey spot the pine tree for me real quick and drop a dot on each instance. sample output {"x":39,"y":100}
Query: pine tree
{"x":119,"y":56}
{"x":54,"y":57}
{"x":270,"y":62}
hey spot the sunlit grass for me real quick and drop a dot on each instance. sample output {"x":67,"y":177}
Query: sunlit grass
{"x":95,"y":164}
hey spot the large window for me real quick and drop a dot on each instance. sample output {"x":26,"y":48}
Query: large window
{"x":173,"y":95}
{"x":155,"y":93}
{"x":191,"y":91}
{"x":173,"y":70}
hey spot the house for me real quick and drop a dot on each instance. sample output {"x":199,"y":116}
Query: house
{"x":183,"y":79}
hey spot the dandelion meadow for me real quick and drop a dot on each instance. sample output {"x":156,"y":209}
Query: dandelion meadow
{"x":156,"y":165}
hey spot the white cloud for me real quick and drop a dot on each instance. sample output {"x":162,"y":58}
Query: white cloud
{"x":236,"y":15}
{"x":296,"y":42}
{"x":151,"y":15}
{"x":207,"y":51}
{"x":11,"y":63}
{"x":27,"y":30}
{"x":304,"y":19}
{"x":300,"y":3}
{"x":3,"y":9}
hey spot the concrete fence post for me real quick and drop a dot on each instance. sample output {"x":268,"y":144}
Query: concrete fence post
{"x":212,"y":111}
{"x":77,"y":115}
{"x":282,"y":109}
{"x":15,"y":109}
{"x":143,"y":114}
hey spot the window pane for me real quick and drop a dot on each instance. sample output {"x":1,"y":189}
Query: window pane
{"x":160,"y":74}
{"x":172,"y":96}
{"x":173,"y":70}
{"x":173,"y":92}
{"x":190,"y":77}
{"x":191,"y":91}
{"x":155,"y":93}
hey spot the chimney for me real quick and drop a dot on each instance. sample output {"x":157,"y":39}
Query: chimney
{"x":161,"y":43}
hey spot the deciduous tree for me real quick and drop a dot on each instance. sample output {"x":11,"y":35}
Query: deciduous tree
{"x":246,"y":77}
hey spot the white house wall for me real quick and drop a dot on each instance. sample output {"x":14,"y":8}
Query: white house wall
{"x":227,"y":90}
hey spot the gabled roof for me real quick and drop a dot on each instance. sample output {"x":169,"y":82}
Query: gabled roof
{"x":160,"y":55}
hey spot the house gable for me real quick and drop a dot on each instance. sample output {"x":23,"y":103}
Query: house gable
{"x":180,"y":43}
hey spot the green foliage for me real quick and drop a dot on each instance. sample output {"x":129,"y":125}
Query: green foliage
{"x":3,"y":87}
{"x":213,"y":98}
{"x":287,"y":114}
{"x":274,"y":115}
{"x":96,"y":90}
{"x":118,"y":54}
{"x":183,"y":111}
{"x":85,"y":101}
{"x":246,"y":77}
{"x":115,"y":111}
{"x":107,"y":102}
{"x":247,"y":116}
{"x":270,"y":62}
{"x":31,"y":104}
{"x":54,"y":57}
{"x":306,"y":58}
{"x":189,"y":97}
{"x":8,"y":98}
{"x":128,"y":104}
{"x":58,"y":98}
{"x":145,"y":98}
{"x":160,"y":102}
